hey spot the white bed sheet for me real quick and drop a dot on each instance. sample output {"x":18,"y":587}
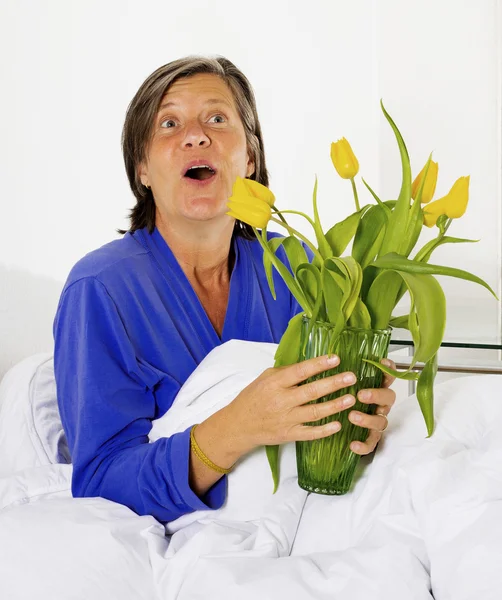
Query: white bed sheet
{"x":423,"y":512}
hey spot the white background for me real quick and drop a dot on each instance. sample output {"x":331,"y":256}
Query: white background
{"x":69,"y":68}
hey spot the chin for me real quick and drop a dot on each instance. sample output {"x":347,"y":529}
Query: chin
{"x":205,"y":209}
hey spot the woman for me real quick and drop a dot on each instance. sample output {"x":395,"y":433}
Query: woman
{"x":138,"y":315}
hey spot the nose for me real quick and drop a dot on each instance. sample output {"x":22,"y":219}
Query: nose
{"x":195,"y":137}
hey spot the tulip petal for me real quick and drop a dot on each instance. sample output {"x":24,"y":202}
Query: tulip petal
{"x":429,"y":185}
{"x":458,"y":198}
{"x":239,"y":188}
{"x":430,"y":219}
{"x":262,"y":192}
{"x":344,"y":159}
{"x":453,"y":205}
{"x":250,"y":210}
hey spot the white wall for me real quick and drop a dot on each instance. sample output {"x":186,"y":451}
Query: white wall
{"x":69,"y":68}
{"x":445,"y":89}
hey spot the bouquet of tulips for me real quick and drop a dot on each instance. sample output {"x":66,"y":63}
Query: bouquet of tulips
{"x":362,"y":288}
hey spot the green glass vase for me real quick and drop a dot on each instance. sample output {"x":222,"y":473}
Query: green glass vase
{"x":328,"y":465}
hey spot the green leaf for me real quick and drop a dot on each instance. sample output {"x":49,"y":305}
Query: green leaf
{"x":360,"y":316}
{"x":396,"y":229}
{"x":324,"y":247}
{"x":292,"y":284}
{"x":387,"y":211}
{"x":287,"y":353}
{"x":354,"y":275}
{"x":318,"y":296}
{"x":340,"y":275}
{"x":400,"y":322}
{"x":369,"y":235}
{"x":273,"y":461}
{"x":333,"y":296}
{"x":295,"y":252}
{"x":428,"y":298}
{"x":369,"y":276}
{"x":413,"y":324}
{"x":381,"y":298}
{"x":415,"y":217}
{"x":400,"y":263}
{"x":406,"y":375}
{"x":356,"y":280}
{"x":402,"y":291}
{"x":309,"y":279}
{"x":272,"y":245}
{"x":413,"y":229}
{"x":339,"y":236}
{"x":425,"y":392}
{"x":425,"y":253}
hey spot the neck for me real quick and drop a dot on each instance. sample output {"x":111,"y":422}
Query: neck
{"x":203,"y":251}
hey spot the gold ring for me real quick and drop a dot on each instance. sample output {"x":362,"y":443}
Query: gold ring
{"x":386,"y":424}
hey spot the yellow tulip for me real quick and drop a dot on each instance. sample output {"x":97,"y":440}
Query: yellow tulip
{"x":430,"y":183}
{"x":344,"y":160}
{"x":251,"y":202}
{"x":256,"y":214}
{"x":453,"y":205}
{"x":249,"y":187}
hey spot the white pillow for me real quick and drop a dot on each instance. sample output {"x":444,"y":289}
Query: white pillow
{"x":31,"y":434}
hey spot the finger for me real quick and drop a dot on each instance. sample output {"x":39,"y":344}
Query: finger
{"x":388,"y":380}
{"x":374,"y":422}
{"x":306,"y":433}
{"x":320,"y":387}
{"x":384,"y":397}
{"x":295,"y":374}
{"x":321,"y":410}
{"x":368,"y":446}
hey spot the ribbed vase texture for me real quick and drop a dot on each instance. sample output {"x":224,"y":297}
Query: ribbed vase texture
{"x":327,"y":466}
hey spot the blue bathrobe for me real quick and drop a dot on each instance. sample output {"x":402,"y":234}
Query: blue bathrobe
{"x":129,"y":330}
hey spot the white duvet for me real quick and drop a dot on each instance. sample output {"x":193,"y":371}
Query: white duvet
{"x":424,"y":513}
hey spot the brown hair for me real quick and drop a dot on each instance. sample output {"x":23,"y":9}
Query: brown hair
{"x":140,"y":117}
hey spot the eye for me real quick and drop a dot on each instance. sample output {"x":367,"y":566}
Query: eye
{"x":219,"y":117}
{"x":166,"y":123}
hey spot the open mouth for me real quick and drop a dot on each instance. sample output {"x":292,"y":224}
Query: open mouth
{"x":200,"y":173}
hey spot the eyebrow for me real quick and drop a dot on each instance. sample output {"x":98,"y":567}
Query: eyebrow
{"x":210,"y":101}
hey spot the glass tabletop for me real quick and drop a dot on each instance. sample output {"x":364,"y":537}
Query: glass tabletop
{"x":402,"y":337}
{"x":470,"y":323}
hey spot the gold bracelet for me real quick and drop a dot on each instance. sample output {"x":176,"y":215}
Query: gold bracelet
{"x":198,"y":452}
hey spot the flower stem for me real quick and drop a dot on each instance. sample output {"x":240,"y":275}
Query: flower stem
{"x":289,"y":279}
{"x":297,"y":212}
{"x":278,"y":212}
{"x":356,"y":197}
{"x":302,"y":237}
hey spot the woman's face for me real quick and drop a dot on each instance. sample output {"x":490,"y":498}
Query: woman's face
{"x":197,"y":122}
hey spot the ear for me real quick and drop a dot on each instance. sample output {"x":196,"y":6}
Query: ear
{"x":250,"y":168}
{"x":143,"y":174}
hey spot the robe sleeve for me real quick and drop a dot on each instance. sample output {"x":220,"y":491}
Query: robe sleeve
{"x":106,"y":398}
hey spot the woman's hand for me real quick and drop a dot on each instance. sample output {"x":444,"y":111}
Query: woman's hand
{"x":384,"y":398}
{"x":270,"y":410}
{"x":274,"y":407}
